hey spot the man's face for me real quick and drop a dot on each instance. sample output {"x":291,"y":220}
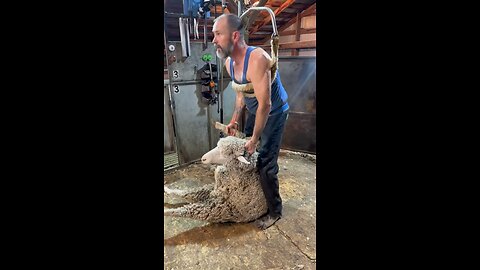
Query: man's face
{"x":222,"y":39}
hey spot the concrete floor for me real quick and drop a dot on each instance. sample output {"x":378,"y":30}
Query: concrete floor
{"x":289,"y":244}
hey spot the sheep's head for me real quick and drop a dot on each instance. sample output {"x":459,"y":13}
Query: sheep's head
{"x":228,"y":148}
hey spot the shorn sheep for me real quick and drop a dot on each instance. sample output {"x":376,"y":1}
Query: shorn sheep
{"x":236,"y":196}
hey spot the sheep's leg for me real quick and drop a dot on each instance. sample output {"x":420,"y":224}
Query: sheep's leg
{"x":176,"y":212}
{"x":201,"y":194}
{"x":201,"y":211}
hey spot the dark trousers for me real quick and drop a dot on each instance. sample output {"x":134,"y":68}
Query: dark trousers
{"x":268,"y":156}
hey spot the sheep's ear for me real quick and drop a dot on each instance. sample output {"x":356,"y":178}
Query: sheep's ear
{"x":239,"y":152}
{"x":243,"y":160}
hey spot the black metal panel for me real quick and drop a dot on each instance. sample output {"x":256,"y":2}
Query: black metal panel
{"x":300,"y":133}
{"x":298,"y":75}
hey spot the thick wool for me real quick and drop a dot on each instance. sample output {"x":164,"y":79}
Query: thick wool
{"x":236,"y":196}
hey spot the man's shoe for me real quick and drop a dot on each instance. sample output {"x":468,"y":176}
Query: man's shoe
{"x":266,"y":221}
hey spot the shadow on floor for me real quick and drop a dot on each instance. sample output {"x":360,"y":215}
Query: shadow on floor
{"x":212,"y":234}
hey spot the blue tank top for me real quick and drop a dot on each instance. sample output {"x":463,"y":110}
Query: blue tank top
{"x":279,"y":95}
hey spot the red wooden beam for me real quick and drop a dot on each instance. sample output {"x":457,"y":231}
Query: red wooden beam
{"x":285,"y":5}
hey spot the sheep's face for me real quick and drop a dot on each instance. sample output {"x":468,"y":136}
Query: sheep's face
{"x":227,"y":148}
{"x":214,"y":156}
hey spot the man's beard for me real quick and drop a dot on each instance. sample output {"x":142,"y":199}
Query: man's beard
{"x":224,"y":53}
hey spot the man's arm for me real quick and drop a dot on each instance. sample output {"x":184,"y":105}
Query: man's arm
{"x":239,"y":104}
{"x":260,"y":76}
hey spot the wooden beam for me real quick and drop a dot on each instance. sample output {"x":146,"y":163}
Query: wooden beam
{"x":297,"y":28}
{"x":232,"y":8}
{"x":285,"y":5}
{"x":284,"y":33}
{"x":252,"y":16}
{"x":259,"y":36}
{"x":302,"y":31}
{"x":307,"y":12}
{"x":217,"y":8}
{"x":306,"y":44}
{"x":172,"y":20}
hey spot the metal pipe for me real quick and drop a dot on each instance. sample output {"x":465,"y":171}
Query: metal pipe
{"x":187,"y":37}
{"x":211,"y":72}
{"x":175,"y":15}
{"x":190,"y":24}
{"x":274,"y":23}
{"x":220,"y":68}
{"x":205,"y":44}
{"x":239,"y":6}
{"x":209,"y":130}
{"x":195,"y":29}
{"x":220,"y":100}
{"x":185,"y":82}
{"x":184,"y":38}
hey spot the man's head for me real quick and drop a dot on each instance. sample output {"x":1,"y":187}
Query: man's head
{"x":228,"y":30}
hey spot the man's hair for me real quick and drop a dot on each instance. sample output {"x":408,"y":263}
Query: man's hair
{"x":234,"y":23}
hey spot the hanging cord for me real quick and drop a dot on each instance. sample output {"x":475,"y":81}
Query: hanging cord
{"x":274,"y":44}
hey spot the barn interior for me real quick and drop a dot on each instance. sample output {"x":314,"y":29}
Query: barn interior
{"x":198,"y":95}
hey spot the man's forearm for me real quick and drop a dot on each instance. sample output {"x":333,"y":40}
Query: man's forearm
{"x":239,"y":104}
{"x":236,"y":112}
{"x":261,"y":118}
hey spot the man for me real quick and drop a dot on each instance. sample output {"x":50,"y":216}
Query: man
{"x":267,"y":107}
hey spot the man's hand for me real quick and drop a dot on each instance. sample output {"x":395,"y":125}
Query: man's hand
{"x":251,"y":145}
{"x":231,"y":128}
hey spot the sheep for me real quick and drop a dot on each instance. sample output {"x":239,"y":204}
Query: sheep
{"x":236,"y":195}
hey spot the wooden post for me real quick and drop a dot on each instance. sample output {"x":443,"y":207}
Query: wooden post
{"x":295,"y":52}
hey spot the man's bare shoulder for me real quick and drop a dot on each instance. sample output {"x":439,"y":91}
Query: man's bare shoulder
{"x":260,"y":64}
{"x":260,"y":57}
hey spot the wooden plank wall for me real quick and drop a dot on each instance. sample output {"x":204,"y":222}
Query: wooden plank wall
{"x":308,"y":24}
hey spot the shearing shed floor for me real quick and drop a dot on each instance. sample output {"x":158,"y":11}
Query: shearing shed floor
{"x":289,"y":244}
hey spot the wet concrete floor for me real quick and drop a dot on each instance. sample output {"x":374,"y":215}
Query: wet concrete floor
{"x":289,"y":244}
